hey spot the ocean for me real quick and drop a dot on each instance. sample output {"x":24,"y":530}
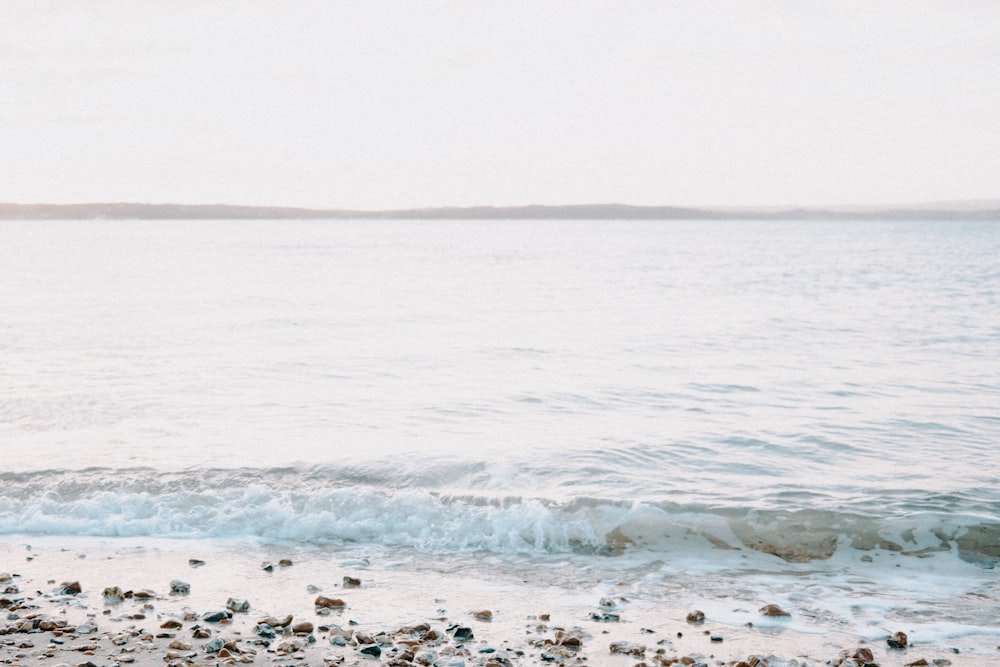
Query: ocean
{"x":804,"y":413}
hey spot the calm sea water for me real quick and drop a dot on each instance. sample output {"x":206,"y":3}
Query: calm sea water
{"x":805,"y":391}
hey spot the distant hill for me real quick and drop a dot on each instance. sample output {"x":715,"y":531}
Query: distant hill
{"x":967,"y":210}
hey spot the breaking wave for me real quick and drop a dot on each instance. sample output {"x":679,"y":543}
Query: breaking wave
{"x":327,"y":505}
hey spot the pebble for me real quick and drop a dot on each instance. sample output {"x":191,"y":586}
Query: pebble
{"x":696,"y":617}
{"x":627,"y":648}
{"x":898,"y":640}
{"x":178,"y":587}
{"x":266,"y":631}
{"x":324,"y":602}
{"x":277,"y":623}
{"x":606,"y":617}
{"x":372,"y":650}
{"x":87,"y":628}
{"x":113,"y":595}
{"x":773,"y":610}
{"x":70,"y":588}
{"x":217,"y":616}
{"x":303,"y":628}
{"x":213,"y":646}
{"x":239,"y":606}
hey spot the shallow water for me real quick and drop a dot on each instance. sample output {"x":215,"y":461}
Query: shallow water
{"x":809,"y":393}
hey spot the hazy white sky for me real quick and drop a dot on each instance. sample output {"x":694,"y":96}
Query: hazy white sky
{"x":367,"y":104}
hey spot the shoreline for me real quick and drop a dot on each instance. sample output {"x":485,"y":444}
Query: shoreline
{"x":171,"y":608}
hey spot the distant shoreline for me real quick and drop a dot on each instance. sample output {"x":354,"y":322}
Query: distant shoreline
{"x":989,"y":210}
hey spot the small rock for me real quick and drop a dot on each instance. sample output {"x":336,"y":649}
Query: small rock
{"x":171,"y":624}
{"x":337,"y":640}
{"x":462,"y":634}
{"x":606,"y":617}
{"x":239,"y":606}
{"x":303,"y":628}
{"x":351,"y":582}
{"x":285,"y":562}
{"x":83,"y":648}
{"x":178,"y":655}
{"x":286,"y":648}
{"x":217,"y":616}
{"x":214,"y":646}
{"x":324,"y":602}
{"x":267,"y":567}
{"x":113,"y":595}
{"x":716,"y":638}
{"x":627,"y":648}
{"x":372,"y":650}
{"x":569,"y":639}
{"x":179,"y":645}
{"x":196,"y":562}
{"x":178,"y":587}
{"x":266,"y":631}
{"x":277,"y":623}
{"x":898,"y":640}
{"x":862,"y":655}
{"x":483,"y":615}
{"x":70,"y":588}
{"x":773,"y":610}
{"x":696,"y":617}
{"x":87,"y":628}
{"x":917,"y":663}
{"x":200,"y":633}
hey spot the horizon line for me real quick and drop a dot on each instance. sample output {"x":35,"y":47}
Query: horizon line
{"x":982,"y":208}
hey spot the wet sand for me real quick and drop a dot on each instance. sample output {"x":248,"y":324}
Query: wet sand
{"x":117,"y":603}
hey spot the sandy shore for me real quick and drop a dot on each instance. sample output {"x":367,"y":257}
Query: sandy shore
{"x":130,"y":604}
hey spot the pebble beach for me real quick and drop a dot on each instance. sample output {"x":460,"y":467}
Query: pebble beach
{"x":132,"y":605}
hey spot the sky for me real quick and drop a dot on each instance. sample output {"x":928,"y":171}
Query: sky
{"x":374,"y":104}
